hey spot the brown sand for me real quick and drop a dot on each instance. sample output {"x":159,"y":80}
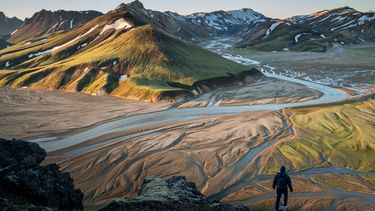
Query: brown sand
{"x":27,"y":113}
{"x":266,"y":91}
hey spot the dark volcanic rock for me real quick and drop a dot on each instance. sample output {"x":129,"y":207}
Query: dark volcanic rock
{"x":45,"y":22}
{"x":8,"y":25}
{"x":172,"y":194}
{"x":24,"y":181}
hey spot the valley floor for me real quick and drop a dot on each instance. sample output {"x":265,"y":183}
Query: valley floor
{"x":234,"y":157}
{"x":27,"y":113}
{"x":352,"y":66}
{"x":329,"y":149}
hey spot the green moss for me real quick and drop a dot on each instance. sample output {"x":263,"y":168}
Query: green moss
{"x":339,"y":135}
{"x":151,"y":58}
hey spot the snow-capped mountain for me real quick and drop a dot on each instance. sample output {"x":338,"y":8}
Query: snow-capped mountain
{"x":336,"y":19}
{"x":198,"y":26}
{"x":121,"y":53}
{"x":3,"y":44}
{"x":226,"y":21}
{"x":45,"y":22}
{"x":315,"y":32}
{"x":7,"y":25}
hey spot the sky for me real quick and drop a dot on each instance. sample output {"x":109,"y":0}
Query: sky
{"x":270,"y":8}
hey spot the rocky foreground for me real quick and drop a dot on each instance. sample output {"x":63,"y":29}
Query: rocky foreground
{"x":25,"y":184}
{"x":172,"y":194}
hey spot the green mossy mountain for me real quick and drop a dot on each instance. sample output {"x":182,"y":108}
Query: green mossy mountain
{"x":116,"y":54}
{"x":316,"y":32}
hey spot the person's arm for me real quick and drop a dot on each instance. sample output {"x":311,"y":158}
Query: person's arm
{"x":290,"y":184}
{"x":274,"y":182}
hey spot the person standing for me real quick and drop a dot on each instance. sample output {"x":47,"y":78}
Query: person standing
{"x":282,"y":182}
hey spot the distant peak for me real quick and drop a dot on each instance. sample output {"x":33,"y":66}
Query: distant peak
{"x":136,"y":4}
{"x":346,"y":8}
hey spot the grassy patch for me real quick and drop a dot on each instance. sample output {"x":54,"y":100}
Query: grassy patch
{"x":352,"y":183}
{"x":150,"y":58}
{"x":340,"y":135}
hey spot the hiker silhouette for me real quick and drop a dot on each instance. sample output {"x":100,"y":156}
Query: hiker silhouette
{"x":281,"y":182}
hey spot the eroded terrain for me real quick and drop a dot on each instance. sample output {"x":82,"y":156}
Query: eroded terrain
{"x":27,"y":113}
{"x":230,"y":155}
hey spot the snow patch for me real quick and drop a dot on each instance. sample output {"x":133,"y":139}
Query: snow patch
{"x":60,"y":24}
{"x":75,"y":39}
{"x":39,"y":53}
{"x":7,"y":64}
{"x":272,"y":27}
{"x":296,"y":38}
{"x":338,"y":19}
{"x":61,"y":46}
{"x":81,"y":46}
{"x":365,"y":18}
{"x":342,"y":26}
{"x":119,"y":24}
{"x":71,"y":23}
{"x":14,"y":32}
{"x":49,"y":30}
{"x":123,"y":77}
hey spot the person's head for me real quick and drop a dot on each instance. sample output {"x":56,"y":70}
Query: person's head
{"x":282,"y":169}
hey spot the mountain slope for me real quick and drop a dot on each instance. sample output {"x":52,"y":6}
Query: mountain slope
{"x":199,"y":26}
{"x":3,"y":44}
{"x":316,"y":32}
{"x":8,"y":25}
{"x":45,"y":22}
{"x":118,"y":54}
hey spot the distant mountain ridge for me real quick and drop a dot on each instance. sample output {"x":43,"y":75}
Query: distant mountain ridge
{"x":45,"y":22}
{"x":315,"y":32}
{"x":8,"y":25}
{"x":127,"y":53}
{"x":198,"y":26}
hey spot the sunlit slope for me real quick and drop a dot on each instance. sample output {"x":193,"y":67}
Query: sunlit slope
{"x":339,"y":135}
{"x":95,"y":58}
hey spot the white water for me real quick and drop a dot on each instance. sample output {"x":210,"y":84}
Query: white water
{"x":172,"y":115}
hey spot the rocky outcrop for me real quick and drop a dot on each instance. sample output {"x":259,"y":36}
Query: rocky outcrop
{"x":45,"y":22}
{"x":245,"y":77}
{"x":208,"y":85}
{"x":172,"y":194}
{"x":3,"y":44}
{"x":8,"y":25}
{"x":23,"y":181}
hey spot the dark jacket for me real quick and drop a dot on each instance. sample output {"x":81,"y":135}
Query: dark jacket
{"x":282,"y":181}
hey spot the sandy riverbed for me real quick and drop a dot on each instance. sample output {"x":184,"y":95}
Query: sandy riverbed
{"x":27,"y":113}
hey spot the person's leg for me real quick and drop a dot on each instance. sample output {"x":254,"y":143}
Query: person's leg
{"x":286,"y":197}
{"x":278,"y":197}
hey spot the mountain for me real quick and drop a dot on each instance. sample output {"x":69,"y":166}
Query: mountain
{"x":221,"y":23}
{"x":45,"y":22}
{"x":8,"y":25}
{"x":122,"y":55}
{"x":175,"y":193}
{"x":315,"y":32}
{"x":198,"y":27}
{"x":3,"y":44}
